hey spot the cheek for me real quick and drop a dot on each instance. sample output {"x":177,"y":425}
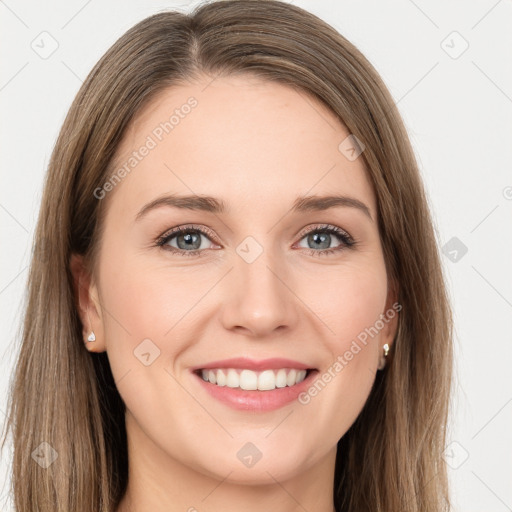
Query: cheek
{"x":147,"y":311}
{"x":353,"y":302}
{"x":156,"y":309}
{"x":139,"y":308}
{"x":350,"y":303}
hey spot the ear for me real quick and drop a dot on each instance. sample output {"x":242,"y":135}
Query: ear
{"x":390,"y":319}
{"x":87,"y":304}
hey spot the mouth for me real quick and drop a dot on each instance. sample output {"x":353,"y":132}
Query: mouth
{"x":254,"y":385}
{"x":250,"y":380}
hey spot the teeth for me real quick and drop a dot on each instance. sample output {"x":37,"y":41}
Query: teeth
{"x":221,"y":378}
{"x":290,"y":378}
{"x":249,"y":380}
{"x":246,"y":380}
{"x":281,"y":378}
{"x":232,"y":380}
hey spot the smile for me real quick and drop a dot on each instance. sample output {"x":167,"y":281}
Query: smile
{"x":250,"y":380}
{"x":281,"y":386}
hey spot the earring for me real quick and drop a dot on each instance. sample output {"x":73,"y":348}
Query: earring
{"x":382,"y":361}
{"x":92,"y":336}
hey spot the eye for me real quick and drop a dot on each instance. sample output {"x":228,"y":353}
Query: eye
{"x":187,"y":237}
{"x":320,"y":237}
{"x":186,"y":240}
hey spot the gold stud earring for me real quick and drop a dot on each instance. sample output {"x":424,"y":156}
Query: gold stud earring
{"x":386,"y":349}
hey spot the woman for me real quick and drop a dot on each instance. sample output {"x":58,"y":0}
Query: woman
{"x":241,"y":302}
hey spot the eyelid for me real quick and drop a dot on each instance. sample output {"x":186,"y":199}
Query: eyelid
{"x":186,"y":227}
{"x":317,"y":227}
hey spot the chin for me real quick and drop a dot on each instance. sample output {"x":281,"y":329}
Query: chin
{"x":241,"y":469}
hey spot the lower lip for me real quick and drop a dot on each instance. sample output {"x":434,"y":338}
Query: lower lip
{"x":257,"y":400}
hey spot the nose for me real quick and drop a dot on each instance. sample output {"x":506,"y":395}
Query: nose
{"x":259,"y":298}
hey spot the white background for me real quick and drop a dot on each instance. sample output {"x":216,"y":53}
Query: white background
{"x":458,"y":112}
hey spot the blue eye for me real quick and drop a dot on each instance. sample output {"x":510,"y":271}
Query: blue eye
{"x":322,"y":236}
{"x":187,"y":237}
{"x":190,"y":237}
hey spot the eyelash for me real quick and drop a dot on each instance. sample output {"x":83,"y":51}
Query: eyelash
{"x":345,"y":238}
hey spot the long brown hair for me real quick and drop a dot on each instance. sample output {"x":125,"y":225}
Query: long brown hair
{"x":390,"y":460}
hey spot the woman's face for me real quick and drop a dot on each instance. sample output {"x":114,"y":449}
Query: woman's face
{"x":264,"y":278}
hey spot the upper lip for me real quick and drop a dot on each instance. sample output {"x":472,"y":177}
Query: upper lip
{"x":252,"y":364}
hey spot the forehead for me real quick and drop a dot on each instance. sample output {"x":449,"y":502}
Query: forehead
{"x":248,"y":141}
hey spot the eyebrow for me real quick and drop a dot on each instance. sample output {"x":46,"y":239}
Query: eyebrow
{"x":213,"y":205}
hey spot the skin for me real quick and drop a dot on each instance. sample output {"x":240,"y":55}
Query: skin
{"x":257,"y":146}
